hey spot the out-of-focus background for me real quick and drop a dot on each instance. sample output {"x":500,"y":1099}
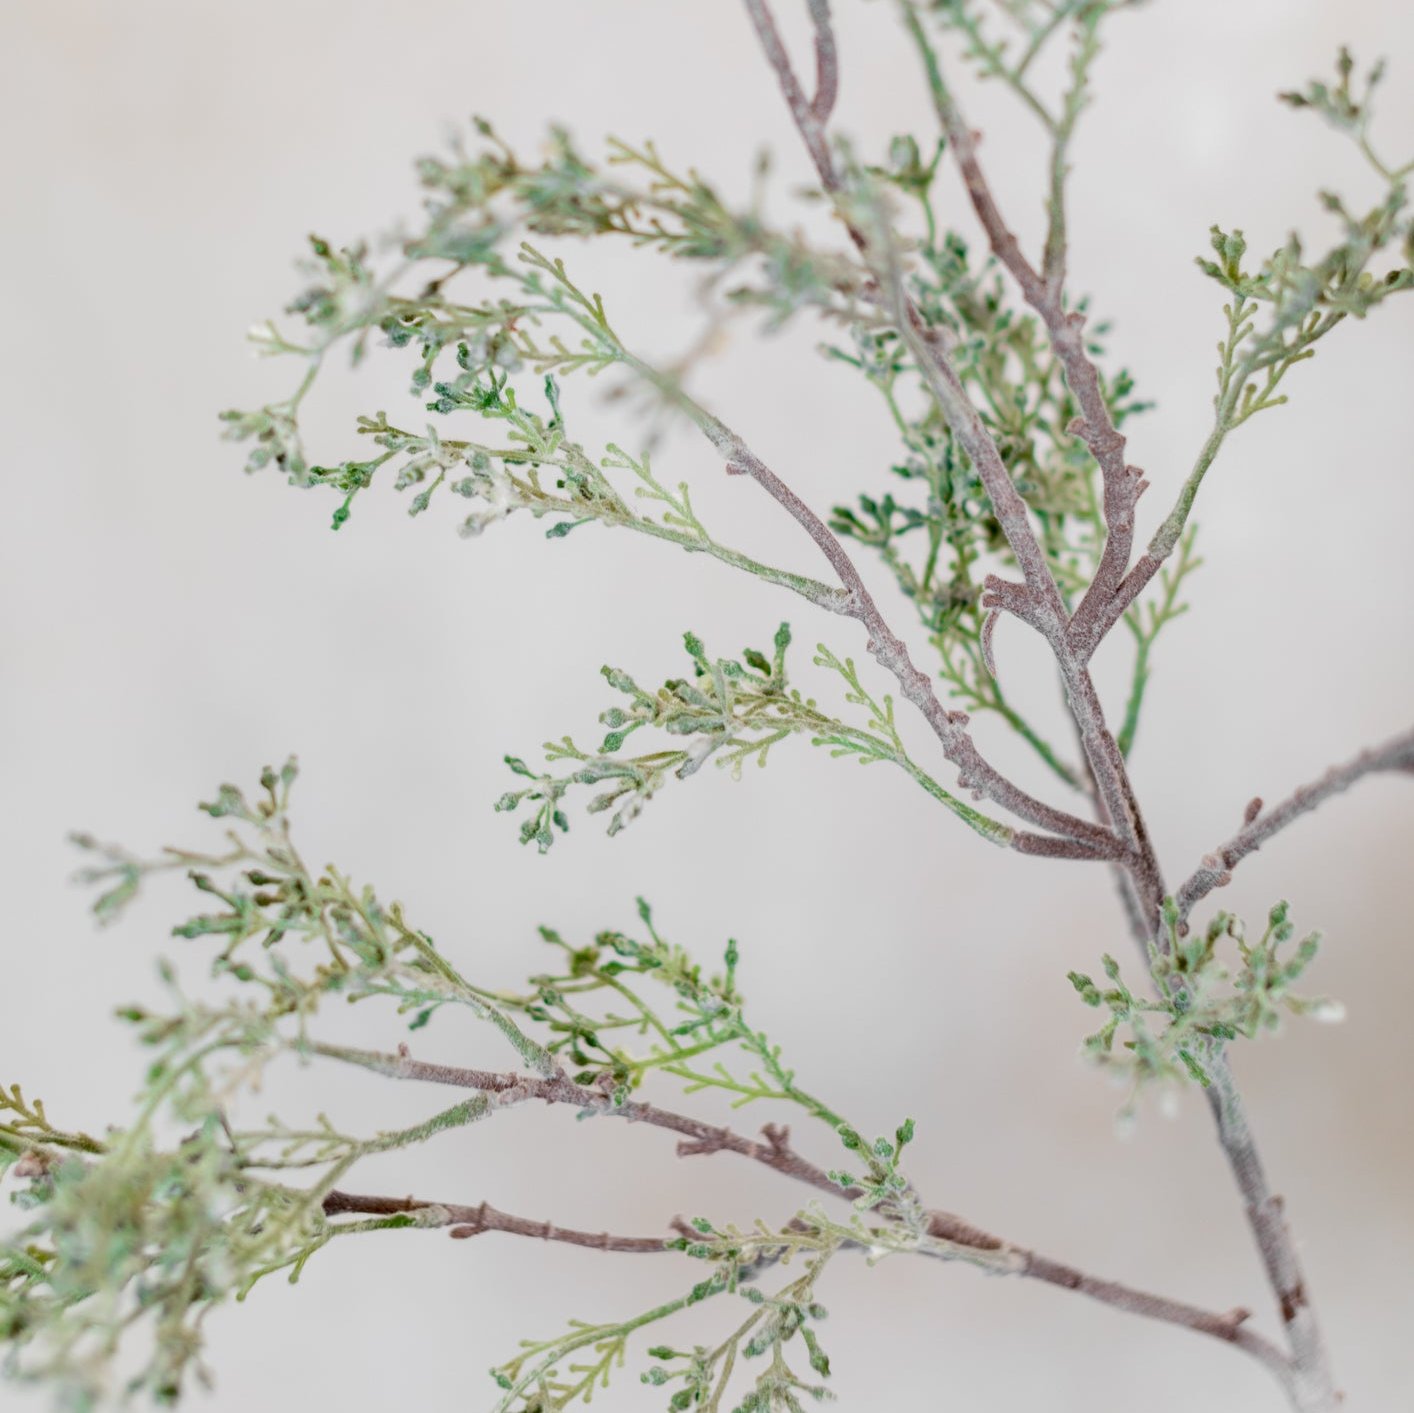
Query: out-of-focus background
{"x":166,"y":624}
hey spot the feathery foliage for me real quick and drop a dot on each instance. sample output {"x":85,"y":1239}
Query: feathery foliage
{"x":999,"y":488}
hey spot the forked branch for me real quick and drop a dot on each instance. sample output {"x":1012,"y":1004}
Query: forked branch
{"x":950,"y":1234}
{"x":1045,"y":293}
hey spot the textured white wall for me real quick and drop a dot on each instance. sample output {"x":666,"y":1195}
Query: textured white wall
{"x":166,"y":624}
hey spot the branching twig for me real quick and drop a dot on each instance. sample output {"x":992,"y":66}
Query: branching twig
{"x":507,"y":1089}
{"x":975,"y":772}
{"x":942,"y":380}
{"x":1041,"y":605}
{"x":1123,"y":484}
{"x":1307,"y":1375}
{"x":464,"y":1221}
{"x":810,"y":117}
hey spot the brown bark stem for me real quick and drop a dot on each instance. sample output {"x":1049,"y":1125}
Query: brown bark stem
{"x":466,"y":1221}
{"x":1215,"y":870}
{"x":463,"y":1220}
{"x":1123,"y":484}
{"x":507,"y":1089}
{"x":1073,"y":640}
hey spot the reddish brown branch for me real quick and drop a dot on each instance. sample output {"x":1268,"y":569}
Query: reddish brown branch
{"x":1046,"y":611}
{"x":809,"y":117}
{"x":1216,"y":869}
{"x":1089,"y":631}
{"x":1229,"y":1326}
{"x":507,"y":1089}
{"x":1038,"y":601}
{"x":467,"y":1221}
{"x":975,"y":773}
{"x":463,"y":1221}
{"x":1307,"y":1375}
{"x":827,"y":67}
{"x":1123,"y":484}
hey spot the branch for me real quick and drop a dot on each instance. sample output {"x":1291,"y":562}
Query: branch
{"x":1038,"y":601}
{"x":1309,"y":1364}
{"x":507,"y":1089}
{"x":926,"y":345}
{"x":472,"y":1221}
{"x":1310,"y":1360}
{"x":1046,"y":610}
{"x":1010,"y":509}
{"x":1123,"y":484}
{"x":1229,"y":1326}
{"x":1042,"y":608}
{"x":1047,"y":614}
{"x":467,"y":1221}
{"x":810,"y":117}
{"x":827,"y":68}
{"x":1215,"y":871}
{"x":1088,"y":634}
{"x":975,"y":773}
{"x":777,"y":1154}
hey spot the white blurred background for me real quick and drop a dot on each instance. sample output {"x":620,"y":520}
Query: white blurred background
{"x":166,"y":624}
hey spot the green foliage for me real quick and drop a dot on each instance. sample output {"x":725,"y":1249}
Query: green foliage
{"x":762,"y":1343}
{"x":476,"y":205}
{"x":351,"y":945}
{"x":731,"y":711}
{"x":1302,"y":298}
{"x":23,"y":1123}
{"x":132,"y":1239}
{"x":137,"y":1238}
{"x":1146,"y":621}
{"x":1203,"y":1000}
{"x":935,"y":531}
{"x":1007,"y":56}
{"x":127,"y":1242}
{"x":579,"y":1005}
{"x":766,"y":1335}
{"x":130,"y":1231}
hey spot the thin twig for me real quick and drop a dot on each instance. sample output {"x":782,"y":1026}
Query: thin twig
{"x":1229,"y":1326}
{"x":1215,"y":871}
{"x":809,"y":118}
{"x":463,"y":1221}
{"x":507,"y":1089}
{"x":827,"y":66}
{"x":974,"y":772}
{"x":466,"y":1221}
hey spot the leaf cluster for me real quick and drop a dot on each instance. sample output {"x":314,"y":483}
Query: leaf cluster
{"x":1281,"y":309}
{"x":1203,"y":999}
{"x":132,"y":1239}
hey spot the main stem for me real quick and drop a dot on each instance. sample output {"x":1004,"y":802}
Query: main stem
{"x":1312,"y":1388}
{"x":1310,"y":1383}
